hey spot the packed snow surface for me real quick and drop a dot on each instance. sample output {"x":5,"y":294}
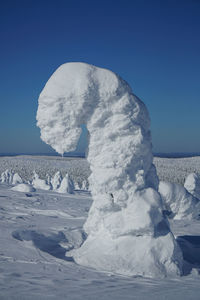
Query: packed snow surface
{"x":127,"y":232}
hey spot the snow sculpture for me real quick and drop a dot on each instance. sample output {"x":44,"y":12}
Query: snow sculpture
{"x":192,"y":184}
{"x":177,"y":201}
{"x":127,"y":232}
{"x":66,"y":186}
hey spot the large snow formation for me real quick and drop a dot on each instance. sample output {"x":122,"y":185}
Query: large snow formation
{"x":127,"y":232}
{"x":178,"y":201}
{"x":192,"y":184}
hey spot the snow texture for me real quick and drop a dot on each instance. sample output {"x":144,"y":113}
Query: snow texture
{"x":178,"y":201}
{"x":127,"y":232}
{"x":192,"y":184}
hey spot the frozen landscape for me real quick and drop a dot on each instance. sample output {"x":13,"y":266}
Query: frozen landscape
{"x":108,"y":227}
{"x":38,"y":229}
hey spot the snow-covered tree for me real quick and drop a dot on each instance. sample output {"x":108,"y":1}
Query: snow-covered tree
{"x":178,"y":201}
{"x":127,"y":232}
{"x":192,"y":184}
{"x":66,"y":186}
{"x":16,"y":179}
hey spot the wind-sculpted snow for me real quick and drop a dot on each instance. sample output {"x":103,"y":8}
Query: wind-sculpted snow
{"x":192,"y":184}
{"x":178,"y":202}
{"x":127,"y":232}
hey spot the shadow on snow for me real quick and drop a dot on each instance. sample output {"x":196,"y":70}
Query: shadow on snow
{"x":190,"y":246}
{"x":49,"y":244}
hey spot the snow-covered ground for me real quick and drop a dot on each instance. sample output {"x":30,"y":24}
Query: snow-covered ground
{"x":38,"y":230}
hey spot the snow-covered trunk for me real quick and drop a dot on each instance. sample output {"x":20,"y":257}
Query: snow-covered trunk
{"x":127,"y":232}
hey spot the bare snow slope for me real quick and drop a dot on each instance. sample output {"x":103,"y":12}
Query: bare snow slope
{"x":38,"y":229}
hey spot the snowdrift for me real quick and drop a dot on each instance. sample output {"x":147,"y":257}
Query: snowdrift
{"x":23,"y":187}
{"x":127,"y":232}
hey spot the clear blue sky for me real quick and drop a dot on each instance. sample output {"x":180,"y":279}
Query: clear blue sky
{"x":152,"y":44}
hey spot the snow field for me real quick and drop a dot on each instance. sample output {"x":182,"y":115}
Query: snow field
{"x":39,"y":229}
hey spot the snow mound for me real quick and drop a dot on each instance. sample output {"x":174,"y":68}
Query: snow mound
{"x":22,"y":187}
{"x":192,"y":184}
{"x":178,"y":201}
{"x":127,"y":232}
{"x":66,"y":185}
{"x":40,"y":183}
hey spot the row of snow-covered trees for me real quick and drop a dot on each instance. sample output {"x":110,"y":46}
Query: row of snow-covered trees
{"x":179,"y":201}
{"x":59,"y":183}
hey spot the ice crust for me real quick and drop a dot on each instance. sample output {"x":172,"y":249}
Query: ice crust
{"x":178,"y":201}
{"x":127,"y":232}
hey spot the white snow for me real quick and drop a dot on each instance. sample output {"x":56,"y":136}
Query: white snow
{"x":35,"y":239}
{"x":192,"y":184}
{"x":23,"y":187}
{"x":36,"y":236}
{"x":127,"y":233}
{"x":178,"y":201}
